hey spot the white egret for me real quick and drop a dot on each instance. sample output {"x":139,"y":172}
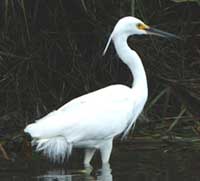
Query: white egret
{"x":93,"y":120}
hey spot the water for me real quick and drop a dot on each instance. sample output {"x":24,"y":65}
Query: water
{"x":127,"y":163}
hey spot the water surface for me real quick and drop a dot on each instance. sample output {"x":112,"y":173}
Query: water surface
{"x":127,"y":163}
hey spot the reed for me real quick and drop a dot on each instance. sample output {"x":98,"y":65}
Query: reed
{"x":50,"y":52}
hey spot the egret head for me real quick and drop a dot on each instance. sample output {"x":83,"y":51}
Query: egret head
{"x":128,"y":26}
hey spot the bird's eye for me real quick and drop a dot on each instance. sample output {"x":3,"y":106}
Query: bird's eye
{"x":140,"y":26}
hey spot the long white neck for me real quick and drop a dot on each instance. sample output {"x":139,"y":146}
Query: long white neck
{"x":133,"y":61}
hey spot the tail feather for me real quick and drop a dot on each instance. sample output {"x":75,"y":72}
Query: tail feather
{"x":55,"y":148}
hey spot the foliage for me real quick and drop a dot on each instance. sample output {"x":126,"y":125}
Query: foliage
{"x":50,"y":52}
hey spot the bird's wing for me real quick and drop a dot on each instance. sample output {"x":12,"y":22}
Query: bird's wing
{"x":110,"y":93}
{"x":97,"y":115}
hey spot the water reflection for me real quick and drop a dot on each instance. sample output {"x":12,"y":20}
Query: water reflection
{"x":127,"y":163}
{"x":103,"y":174}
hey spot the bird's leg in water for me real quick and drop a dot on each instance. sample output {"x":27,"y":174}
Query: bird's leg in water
{"x":89,"y":153}
{"x":105,"y":150}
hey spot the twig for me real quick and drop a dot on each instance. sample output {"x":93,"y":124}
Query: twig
{"x":176,"y":120}
{"x":84,"y":5}
{"x":133,"y":2}
{"x":5,"y":155}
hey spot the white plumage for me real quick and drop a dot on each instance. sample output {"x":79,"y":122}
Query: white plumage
{"x":93,"y":120}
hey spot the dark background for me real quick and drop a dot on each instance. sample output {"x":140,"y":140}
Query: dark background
{"x":51,"y":52}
